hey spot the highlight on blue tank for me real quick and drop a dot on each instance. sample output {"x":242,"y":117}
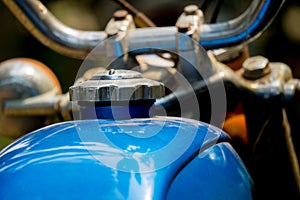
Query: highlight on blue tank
{"x":154,"y":158}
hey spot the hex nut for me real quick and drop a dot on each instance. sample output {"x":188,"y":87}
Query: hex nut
{"x":256,"y":67}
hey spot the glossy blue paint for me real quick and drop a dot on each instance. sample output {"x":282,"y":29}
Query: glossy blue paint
{"x":122,"y":159}
{"x":217,"y":163}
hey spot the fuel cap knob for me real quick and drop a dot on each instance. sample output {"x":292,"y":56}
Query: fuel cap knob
{"x":116,"y":85}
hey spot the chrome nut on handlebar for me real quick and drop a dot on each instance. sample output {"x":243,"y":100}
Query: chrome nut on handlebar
{"x":190,"y":21}
{"x":121,"y":22}
{"x":262,"y":78}
{"x":256,"y":67}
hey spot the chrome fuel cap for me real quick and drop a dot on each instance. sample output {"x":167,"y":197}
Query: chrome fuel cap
{"x":116,"y":85}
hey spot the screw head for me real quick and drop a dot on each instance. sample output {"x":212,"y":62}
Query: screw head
{"x":120,"y":15}
{"x":191,"y":9}
{"x":256,"y":67}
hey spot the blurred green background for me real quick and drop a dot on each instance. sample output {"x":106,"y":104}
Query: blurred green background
{"x":279,"y":43}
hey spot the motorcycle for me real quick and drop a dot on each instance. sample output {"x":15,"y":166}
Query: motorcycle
{"x":216,"y":84}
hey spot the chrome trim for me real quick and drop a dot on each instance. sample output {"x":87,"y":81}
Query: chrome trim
{"x":40,"y":22}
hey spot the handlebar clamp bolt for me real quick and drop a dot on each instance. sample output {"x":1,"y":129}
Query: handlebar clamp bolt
{"x":191,"y":9}
{"x":120,"y":15}
{"x":256,"y":67}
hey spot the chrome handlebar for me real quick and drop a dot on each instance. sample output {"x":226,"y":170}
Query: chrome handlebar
{"x":40,"y":22}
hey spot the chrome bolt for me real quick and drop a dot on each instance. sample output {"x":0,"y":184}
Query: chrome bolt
{"x":120,"y":15}
{"x":111,"y":71}
{"x":256,"y":67}
{"x":191,"y":9}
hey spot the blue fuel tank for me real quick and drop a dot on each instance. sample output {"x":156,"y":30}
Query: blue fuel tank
{"x":116,"y":157}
